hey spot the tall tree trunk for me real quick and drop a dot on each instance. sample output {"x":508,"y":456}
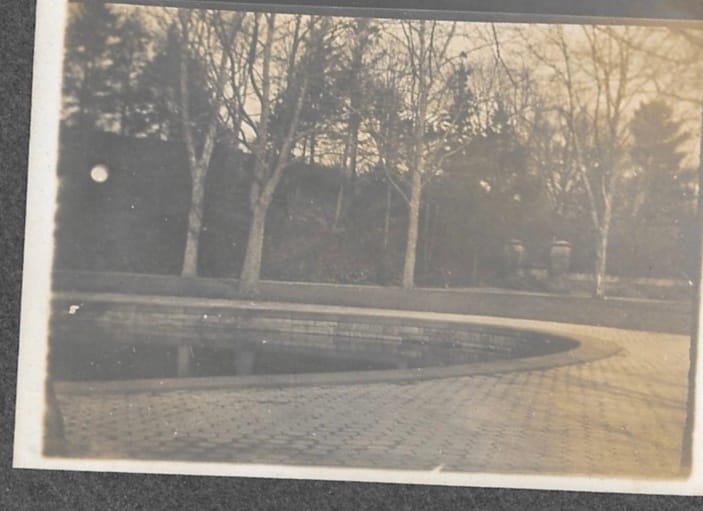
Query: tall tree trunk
{"x":313,"y":144}
{"x":340,"y":191}
{"x":413,"y":223}
{"x":355,"y":123}
{"x":599,"y":268}
{"x":601,"y":258}
{"x":387,"y":220}
{"x":349,"y":157}
{"x":198,"y":164}
{"x":349,"y":160}
{"x":421,"y":79}
{"x":251,"y":269}
{"x":344,"y":177}
{"x":339,"y":205}
{"x":416,"y":183}
{"x":268,"y":173}
{"x":195,"y":223}
{"x":304,"y":150}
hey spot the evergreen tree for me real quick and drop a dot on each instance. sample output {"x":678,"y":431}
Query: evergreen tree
{"x":659,"y":203}
{"x":90,"y":56}
{"x":129,"y":60}
{"x":657,"y":156}
{"x":158,"y":86}
{"x":105,"y":55}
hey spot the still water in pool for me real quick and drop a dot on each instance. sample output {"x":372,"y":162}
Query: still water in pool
{"x":89,"y":360}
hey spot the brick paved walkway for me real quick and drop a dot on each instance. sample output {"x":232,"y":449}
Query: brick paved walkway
{"x":620,"y":416}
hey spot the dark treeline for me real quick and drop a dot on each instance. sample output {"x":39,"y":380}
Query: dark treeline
{"x":360,"y":150}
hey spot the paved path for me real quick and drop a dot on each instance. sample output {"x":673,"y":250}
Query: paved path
{"x":620,"y":416}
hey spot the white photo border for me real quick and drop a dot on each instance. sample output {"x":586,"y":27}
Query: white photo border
{"x":37,"y":273}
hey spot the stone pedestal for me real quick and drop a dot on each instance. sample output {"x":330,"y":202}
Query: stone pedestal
{"x":514,"y":261}
{"x":559,"y":262}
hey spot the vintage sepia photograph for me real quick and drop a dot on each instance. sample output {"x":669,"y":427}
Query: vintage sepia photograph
{"x":353,"y":245}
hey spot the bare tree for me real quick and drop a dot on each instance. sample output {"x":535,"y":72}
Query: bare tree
{"x":383,"y":124}
{"x":361,"y":31}
{"x":197,"y":38}
{"x":285,"y":86}
{"x":426,"y":46}
{"x":598,"y":77}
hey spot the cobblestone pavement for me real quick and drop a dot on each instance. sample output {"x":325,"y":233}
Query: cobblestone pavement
{"x":620,"y":416}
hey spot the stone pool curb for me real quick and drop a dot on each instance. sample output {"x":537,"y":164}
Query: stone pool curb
{"x":580,"y":355}
{"x":590,"y":349}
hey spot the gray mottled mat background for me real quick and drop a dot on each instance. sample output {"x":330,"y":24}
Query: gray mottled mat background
{"x":37,"y":490}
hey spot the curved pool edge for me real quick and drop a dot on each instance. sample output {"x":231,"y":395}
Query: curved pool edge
{"x":589,"y":349}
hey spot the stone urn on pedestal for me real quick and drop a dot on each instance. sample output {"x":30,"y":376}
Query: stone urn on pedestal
{"x":559,"y":263}
{"x":514,"y":255}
